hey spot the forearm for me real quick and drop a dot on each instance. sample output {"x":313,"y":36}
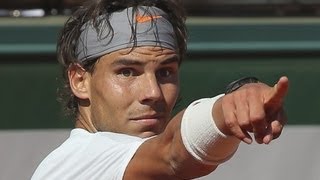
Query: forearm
{"x":167,"y":156}
{"x":202,"y":137}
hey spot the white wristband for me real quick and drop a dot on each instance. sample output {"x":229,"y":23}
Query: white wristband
{"x":201,"y":137}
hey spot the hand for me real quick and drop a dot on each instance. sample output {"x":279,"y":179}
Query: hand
{"x":255,"y":108}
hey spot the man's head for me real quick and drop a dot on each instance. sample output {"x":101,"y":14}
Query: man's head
{"x":123,"y":56}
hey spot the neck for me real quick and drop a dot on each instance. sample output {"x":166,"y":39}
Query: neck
{"x":82,"y":123}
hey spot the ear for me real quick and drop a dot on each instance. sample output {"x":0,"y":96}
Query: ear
{"x":79,"y":81}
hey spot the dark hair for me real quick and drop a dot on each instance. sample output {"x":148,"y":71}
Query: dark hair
{"x":91,"y":10}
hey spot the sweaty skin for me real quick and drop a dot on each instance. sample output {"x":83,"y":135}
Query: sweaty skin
{"x":129,"y":93}
{"x":134,"y":92}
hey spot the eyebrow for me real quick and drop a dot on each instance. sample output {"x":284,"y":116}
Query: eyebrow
{"x":126,"y":62}
{"x":133,"y":62}
{"x":173,"y":59}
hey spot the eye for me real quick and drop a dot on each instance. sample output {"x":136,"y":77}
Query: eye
{"x":126,"y":72}
{"x":165,"y":72}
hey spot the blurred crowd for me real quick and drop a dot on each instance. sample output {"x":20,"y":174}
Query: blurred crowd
{"x":39,"y":8}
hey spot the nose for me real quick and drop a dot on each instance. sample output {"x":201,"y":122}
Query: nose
{"x":150,"y":90}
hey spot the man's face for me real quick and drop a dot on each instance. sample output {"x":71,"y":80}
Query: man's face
{"x":134,"y":93}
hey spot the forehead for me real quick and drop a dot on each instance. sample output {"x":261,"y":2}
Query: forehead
{"x":142,"y":53}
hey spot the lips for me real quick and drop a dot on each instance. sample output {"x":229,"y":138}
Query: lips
{"x":148,"y":120}
{"x":155,"y":116}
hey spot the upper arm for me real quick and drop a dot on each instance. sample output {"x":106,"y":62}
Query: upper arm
{"x":165,"y":157}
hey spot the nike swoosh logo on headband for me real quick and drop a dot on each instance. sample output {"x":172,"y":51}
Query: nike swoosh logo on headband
{"x":144,"y":18}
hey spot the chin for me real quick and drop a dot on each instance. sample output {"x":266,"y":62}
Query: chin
{"x":147,"y":134}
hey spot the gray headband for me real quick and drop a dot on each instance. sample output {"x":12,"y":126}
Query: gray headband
{"x":152,"y":29}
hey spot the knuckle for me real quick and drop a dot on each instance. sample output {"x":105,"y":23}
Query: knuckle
{"x":245,"y":126}
{"x":234,"y":129}
{"x":230,"y":124}
{"x":244,"y":123}
{"x":257,"y":117}
{"x":241,"y":134}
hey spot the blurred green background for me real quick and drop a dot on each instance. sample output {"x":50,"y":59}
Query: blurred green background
{"x":220,"y":51}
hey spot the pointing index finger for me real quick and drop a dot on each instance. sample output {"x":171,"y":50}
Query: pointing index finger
{"x":278,"y":93}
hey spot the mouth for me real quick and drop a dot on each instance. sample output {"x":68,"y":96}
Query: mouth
{"x":148,"y":120}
